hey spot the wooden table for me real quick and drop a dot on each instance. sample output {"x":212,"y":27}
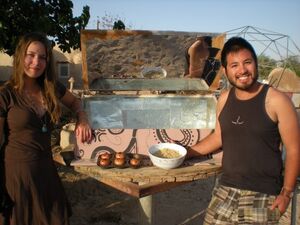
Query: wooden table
{"x":146,"y":181}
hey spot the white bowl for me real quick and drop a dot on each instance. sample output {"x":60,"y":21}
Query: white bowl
{"x":154,"y":72}
{"x":167,"y":163}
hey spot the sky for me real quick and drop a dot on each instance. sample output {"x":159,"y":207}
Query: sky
{"x":280,"y":16}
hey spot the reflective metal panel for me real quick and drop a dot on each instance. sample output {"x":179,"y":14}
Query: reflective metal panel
{"x":151,"y":111}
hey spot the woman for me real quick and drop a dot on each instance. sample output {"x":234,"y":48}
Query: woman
{"x":29,"y":106}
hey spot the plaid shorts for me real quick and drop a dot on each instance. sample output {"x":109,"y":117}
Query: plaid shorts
{"x":231,"y":206}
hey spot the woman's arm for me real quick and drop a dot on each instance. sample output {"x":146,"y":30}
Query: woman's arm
{"x":2,"y":120}
{"x":83,"y":130}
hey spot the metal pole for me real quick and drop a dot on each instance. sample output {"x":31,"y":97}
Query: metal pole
{"x":294,"y":203}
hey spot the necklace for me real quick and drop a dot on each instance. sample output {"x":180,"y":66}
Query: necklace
{"x":37,"y":103}
{"x":44,"y":127}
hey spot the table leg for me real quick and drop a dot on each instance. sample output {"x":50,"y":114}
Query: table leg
{"x":147,"y":210}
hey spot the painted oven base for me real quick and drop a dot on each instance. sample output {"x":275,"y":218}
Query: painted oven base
{"x":132,"y":141}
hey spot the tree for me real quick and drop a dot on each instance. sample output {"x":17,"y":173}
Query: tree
{"x":119,"y":25}
{"x":53,"y":17}
{"x":294,"y":64}
{"x":265,"y":66}
{"x":111,"y":22}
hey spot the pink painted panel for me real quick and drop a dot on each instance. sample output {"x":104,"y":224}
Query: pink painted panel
{"x":135,"y":140}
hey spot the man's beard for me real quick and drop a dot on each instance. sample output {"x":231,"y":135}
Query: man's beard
{"x":246,"y":87}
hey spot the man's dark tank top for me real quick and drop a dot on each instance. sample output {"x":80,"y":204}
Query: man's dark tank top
{"x":250,"y":141}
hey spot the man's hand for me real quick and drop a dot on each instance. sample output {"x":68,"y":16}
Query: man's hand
{"x":281,"y":202}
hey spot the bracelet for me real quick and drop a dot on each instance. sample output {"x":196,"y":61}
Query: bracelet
{"x":287,"y":193}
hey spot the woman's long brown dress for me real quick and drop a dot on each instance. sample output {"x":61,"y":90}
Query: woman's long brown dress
{"x":31,"y":178}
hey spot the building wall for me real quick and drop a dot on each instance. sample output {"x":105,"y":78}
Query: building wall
{"x":5,"y":66}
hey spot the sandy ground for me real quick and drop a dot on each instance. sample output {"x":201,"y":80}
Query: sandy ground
{"x":94,"y":203}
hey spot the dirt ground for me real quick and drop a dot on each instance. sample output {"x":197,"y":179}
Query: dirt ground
{"x":94,"y":203}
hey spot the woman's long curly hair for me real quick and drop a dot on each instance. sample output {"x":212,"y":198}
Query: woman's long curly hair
{"x":47,"y":81}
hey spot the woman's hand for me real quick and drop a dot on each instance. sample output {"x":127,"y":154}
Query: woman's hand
{"x":83,"y":129}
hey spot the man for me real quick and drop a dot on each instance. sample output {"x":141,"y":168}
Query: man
{"x":253,"y":120}
{"x":201,"y":62}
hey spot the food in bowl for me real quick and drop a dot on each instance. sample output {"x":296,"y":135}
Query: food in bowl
{"x":167,"y":153}
{"x":170,"y":161}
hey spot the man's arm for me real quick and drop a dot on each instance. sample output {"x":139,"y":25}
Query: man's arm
{"x":289,"y":129}
{"x":213,"y":141}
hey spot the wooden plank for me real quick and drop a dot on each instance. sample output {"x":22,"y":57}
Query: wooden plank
{"x":150,"y":179}
{"x":130,"y":188}
{"x":153,"y":188}
{"x":137,"y":190}
{"x":152,"y":174}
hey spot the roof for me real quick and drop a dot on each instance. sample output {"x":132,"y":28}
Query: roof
{"x":284,"y":79}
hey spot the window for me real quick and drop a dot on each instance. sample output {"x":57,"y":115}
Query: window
{"x":63,"y":69}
